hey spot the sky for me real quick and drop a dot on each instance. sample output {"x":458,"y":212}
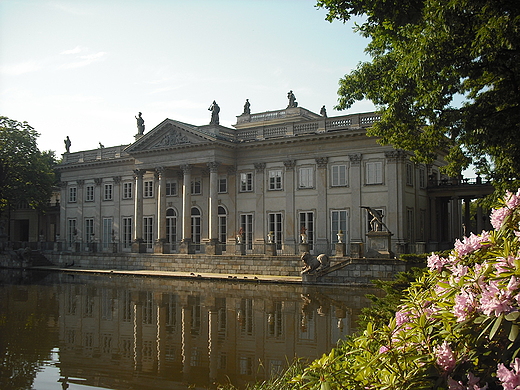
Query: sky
{"x":86,"y":68}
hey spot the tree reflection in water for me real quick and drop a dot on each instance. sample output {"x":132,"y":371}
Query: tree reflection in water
{"x":151,"y":333}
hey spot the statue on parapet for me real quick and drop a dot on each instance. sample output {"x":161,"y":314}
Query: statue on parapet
{"x":376,"y":223}
{"x":140,"y":124}
{"x":292,"y":100}
{"x":247,"y":108}
{"x":67,"y":144}
{"x":314,"y":263}
{"x":323,"y":112}
{"x":215,"y":109}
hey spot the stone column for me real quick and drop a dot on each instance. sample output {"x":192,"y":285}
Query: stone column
{"x":212,"y":246}
{"x":138,"y":245}
{"x":160,"y":243}
{"x":289,"y":245}
{"x":186,"y":245}
{"x":260,"y":226}
{"x":321,"y":230}
{"x":117,"y":214}
{"x":396,"y":212}
{"x":80,"y":224}
{"x":356,"y":233}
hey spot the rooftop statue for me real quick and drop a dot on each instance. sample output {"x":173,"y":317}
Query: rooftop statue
{"x":140,"y":124}
{"x":247,"y":108}
{"x":67,"y":144}
{"x":292,"y":100}
{"x":323,"y":112}
{"x":215,"y":109}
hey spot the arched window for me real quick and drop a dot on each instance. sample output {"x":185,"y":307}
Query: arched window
{"x":171,"y":229}
{"x":222,"y":226}
{"x":195,"y":227}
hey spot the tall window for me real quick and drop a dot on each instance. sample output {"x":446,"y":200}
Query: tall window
{"x":73,"y":194}
{"x":246,"y":182}
{"x":127,"y":190}
{"x":171,"y":228}
{"x":148,"y":189}
{"x":374,"y":172}
{"x":246,"y":224}
{"x":306,"y":177}
{"x":89,"y":193}
{"x":222,"y":184}
{"x":339,"y":175}
{"x":108,"y":192}
{"x":195,"y":227}
{"x":127,"y":232}
{"x":89,"y":229}
{"x":171,"y":188}
{"x":222,"y":227}
{"x":422,"y":177}
{"x":107,"y":232}
{"x":307,"y":226}
{"x":410,"y":224}
{"x":71,"y":231}
{"x":148,"y":231}
{"x":409,"y":174}
{"x":275,"y":226}
{"x":339,"y":221}
{"x":196,"y":186}
{"x":275,"y":179}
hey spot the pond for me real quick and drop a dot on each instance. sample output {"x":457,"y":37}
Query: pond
{"x":78,"y":331}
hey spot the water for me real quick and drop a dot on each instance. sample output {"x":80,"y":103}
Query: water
{"x":77,"y":331}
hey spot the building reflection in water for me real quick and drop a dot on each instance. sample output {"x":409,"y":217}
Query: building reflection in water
{"x":147,"y":333}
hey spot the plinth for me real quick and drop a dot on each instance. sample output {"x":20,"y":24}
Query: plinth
{"x":379,"y":245}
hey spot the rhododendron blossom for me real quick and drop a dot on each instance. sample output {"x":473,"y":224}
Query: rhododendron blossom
{"x":510,"y":378}
{"x":445,"y":357}
{"x":498,"y":216}
{"x":471,"y":244}
{"x":473,"y":383}
{"x":464,"y":305}
{"x":495,"y":300}
{"x":435,"y":262}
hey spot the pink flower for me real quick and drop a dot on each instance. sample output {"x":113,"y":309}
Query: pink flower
{"x":498,"y":216}
{"x":495,"y":299}
{"x":384,"y":349}
{"x":445,"y":357}
{"x":471,"y":385}
{"x":510,"y":378}
{"x":464,"y":305}
{"x":512,"y":200}
{"x":435,"y":262}
{"x":505,"y":264}
{"x":471,"y":244}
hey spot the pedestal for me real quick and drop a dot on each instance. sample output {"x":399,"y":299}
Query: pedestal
{"x":303,"y":247}
{"x":186,"y":247}
{"x":379,"y":245}
{"x":270,"y":249}
{"x":341,"y":249}
{"x":161,"y":246}
{"x":138,"y":246}
{"x":213,"y":247}
{"x":357,"y":250}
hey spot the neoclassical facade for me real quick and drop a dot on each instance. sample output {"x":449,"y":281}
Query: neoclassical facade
{"x":277,"y":178}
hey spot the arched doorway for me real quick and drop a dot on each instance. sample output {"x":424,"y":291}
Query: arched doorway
{"x":171,"y":229}
{"x":196,"y":227}
{"x":222,"y":227}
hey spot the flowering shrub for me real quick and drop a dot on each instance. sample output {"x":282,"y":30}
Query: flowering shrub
{"x":457,"y":329}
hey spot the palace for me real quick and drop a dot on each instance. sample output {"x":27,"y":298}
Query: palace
{"x":275,"y":180}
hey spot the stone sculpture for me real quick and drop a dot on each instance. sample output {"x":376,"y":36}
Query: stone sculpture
{"x":215,"y":109}
{"x":314,"y":263}
{"x":247,"y":108}
{"x":67,"y":144}
{"x":140,"y":124}
{"x":292,"y":100}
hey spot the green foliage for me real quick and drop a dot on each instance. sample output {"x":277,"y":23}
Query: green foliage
{"x":445,"y":75}
{"x":26,"y":174}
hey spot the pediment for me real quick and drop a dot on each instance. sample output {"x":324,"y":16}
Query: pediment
{"x":170,"y":134}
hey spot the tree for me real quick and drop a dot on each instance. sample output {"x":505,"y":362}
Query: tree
{"x":445,"y":74}
{"x":26,"y":174}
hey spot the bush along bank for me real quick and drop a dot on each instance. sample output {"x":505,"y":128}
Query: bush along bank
{"x":458,"y":327}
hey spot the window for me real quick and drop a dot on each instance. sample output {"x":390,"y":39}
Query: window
{"x":107,"y":232}
{"x":148,"y":231}
{"x":422,"y":177}
{"x":222,"y":185}
{"x":127,"y":190}
{"x":409,"y":175}
{"x":89,"y":229}
{"x":71,"y":231}
{"x":374,"y":172}
{"x":195,"y":227}
{"x":307,"y":227}
{"x":222,"y":227}
{"x":108,"y":192}
{"x":275,"y":226}
{"x":339,"y":221}
{"x":127,"y":232}
{"x":148,"y":189}
{"x":246,"y":225}
{"x":171,"y":228}
{"x":171,"y":188}
{"x":89,"y":193}
{"x":275,"y":179}
{"x":196,"y":186}
{"x":339,"y":175}
{"x":410,"y":224}
{"x":246,"y":182}
{"x":73,"y":193}
{"x":306,"y":177}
